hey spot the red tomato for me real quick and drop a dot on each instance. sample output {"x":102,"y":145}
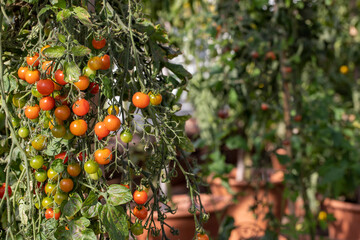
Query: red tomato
{"x":33,"y":60}
{"x":59,"y":77}
{"x":50,"y":213}
{"x":140,"y":212}
{"x":141,"y":100}
{"x":94,"y":88}
{"x":63,"y":112}
{"x":140,"y":197}
{"x":62,"y":99}
{"x":83,"y":83}
{"x":63,"y":156}
{"x":47,"y":103}
{"x":100,"y":130}
{"x":105,"y":62}
{"x":45,"y":86}
{"x":81,"y":107}
{"x":32,"y":112}
{"x":2,"y":190}
{"x":66,"y":185}
{"x":99,"y":44}
{"x":80,"y":157}
{"x":200,"y":236}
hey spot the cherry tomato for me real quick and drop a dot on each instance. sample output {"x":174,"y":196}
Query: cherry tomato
{"x":264,"y":106}
{"x":40,"y":175}
{"x":45,"y":86}
{"x":113,"y":110}
{"x":88,"y":71}
{"x":91,"y":167}
{"x":63,"y":156}
{"x":68,"y":135}
{"x":47,"y":67}
{"x":81,"y":107}
{"x":97,"y":175}
{"x":47,"y":103}
{"x":126,"y":136}
{"x":39,"y":142}
{"x":137,"y":229}
{"x":15,"y":122}
{"x":66,"y":185}
{"x":57,"y":87}
{"x":99,"y":44}
{"x":141,"y":100}
{"x":22,"y":71}
{"x":3,"y":189}
{"x":74,"y":169}
{"x":54,"y":122}
{"x":33,"y":60}
{"x":32,"y":112}
{"x":58,"y":131}
{"x":18,"y":100}
{"x":47,"y":202}
{"x":140,"y":212}
{"x":23,"y":132}
{"x":103,"y":156}
{"x":35,"y":92}
{"x":59,"y":77}
{"x":83,"y":83}
{"x":155,"y":99}
{"x":95,"y":63}
{"x":100,"y":130}
{"x":78,"y":127}
{"x":140,"y":197}
{"x":50,"y":189}
{"x":52,"y":175}
{"x":80,"y":157}
{"x":94,"y":88}
{"x":125,"y":185}
{"x":50,"y":213}
{"x":105,"y":62}
{"x":60,"y":197}
{"x":32,"y":76}
{"x":200,"y":236}
{"x":43,"y":48}
{"x":112,"y":123}
{"x":62,"y":99}
{"x":62,"y":112}
{"x":37,"y":162}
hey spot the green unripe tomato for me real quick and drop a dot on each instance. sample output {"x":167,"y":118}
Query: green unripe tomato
{"x":60,"y":197}
{"x":35,"y":92}
{"x":91,"y":167}
{"x":97,"y":175}
{"x":40,"y":175}
{"x":15,"y":122}
{"x":126,"y":136}
{"x":47,"y":202}
{"x":37,"y":162}
{"x":137,"y":229}
{"x":88,"y":71}
{"x":23,"y":132}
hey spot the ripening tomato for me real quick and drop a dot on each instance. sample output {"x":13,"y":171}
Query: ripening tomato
{"x":112,"y":122}
{"x":126,"y":136}
{"x":81,"y":107}
{"x":74,"y":169}
{"x":140,"y":197}
{"x":155,"y":99}
{"x":100,"y":130}
{"x":47,"y":67}
{"x":39,"y":142}
{"x":62,"y":112}
{"x":32,"y":76}
{"x":137,"y":229}
{"x":105,"y":62}
{"x":23,"y":132}
{"x":33,"y":60}
{"x":37,"y":162}
{"x":91,"y":167}
{"x":95,"y":63}
{"x":47,"y":103}
{"x":83,"y":83}
{"x":50,"y":213}
{"x":43,"y":48}
{"x":88,"y":71}
{"x":68,"y":135}
{"x":140,"y":212}
{"x":99,"y":44}
{"x":94,"y":88}
{"x":63,"y":156}
{"x":52,"y":175}
{"x":200,"y":236}
{"x":66,"y":185}
{"x":59,"y":77}
{"x":78,"y":127}
{"x":58,"y":131}
{"x":3,"y":189}
{"x":54,"y":122}
{"x":50,"y":188}
{"x":32,"y":112}
{"x":47,"y":202}
{"x":60,"y":197}
{"x":18,"y":100}
{"x":40,"y":175}
{"x":22,"y":71}
{"x":45,"y":86}
{"x":140,"y":100}
{"x":62,"y":99}
{"x":103,"y":156}
{"x":113,"y":110}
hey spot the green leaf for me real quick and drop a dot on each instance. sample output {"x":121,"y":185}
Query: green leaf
{"x":118,"y":195}
{"x":63,"y":15}
{"x":83,"y":16}
{"x":178,"y":70}
{"x":115,"y":222}
{"x":54,"y":147}
{"x":81,"y":223}
{"x":61,"y":38}
{"x":91,"y":199}
{"x":80,"y":50}
{"x":91,"y":211}
{"x":58,"y":165}
{"x":186,"y":144}
{"x":236,"y":142}
{"x":71,"y":72}
{"x":73,"y":205}
{"x":44,"y":10}
{"x":54,"y":52}
{"x":10,"y":83}
{"x":107,"y":87}
{"x":59,"y":3}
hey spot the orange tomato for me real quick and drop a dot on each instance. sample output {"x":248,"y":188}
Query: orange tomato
{"x":32,"y":76}
{"x":105,"y":62}
{"x":32,"y":112}
{"x":62,"y":112}
{"x":112,"y":122}
{"x":103,"y":156}
{"x":83,"y":83}
{"x":22,"y":71}
{"x":47,"y":67}
{"x":100,"y":130}
{"x":78,"y":127}
{"x":81,"y":107}
{"x":140,"y":100}
{"x":33,"y":60}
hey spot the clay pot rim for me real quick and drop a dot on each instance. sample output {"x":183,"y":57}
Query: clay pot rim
{"x":333,"y":203}
{"x":233,"y":182}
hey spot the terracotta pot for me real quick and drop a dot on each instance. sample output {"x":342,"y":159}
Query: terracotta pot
{"x":248,"y":226}
{"x":346,"y":226}
{"x":183,"y":221}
